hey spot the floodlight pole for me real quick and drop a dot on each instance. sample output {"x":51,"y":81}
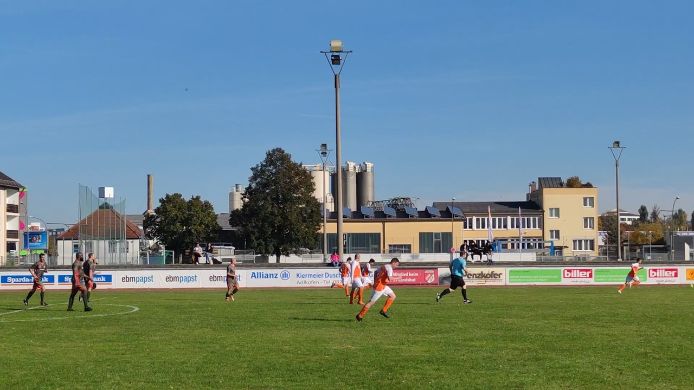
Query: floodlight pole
{"x":337,"y":62}
{"x":452,"y":226}
{"x":323,"y":152}
{"x":617,"y":150}
{"x":672,"y":230}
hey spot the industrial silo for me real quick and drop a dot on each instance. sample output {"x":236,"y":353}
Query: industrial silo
{"x":349,"y":185}
{"x":365,"y":184}
{"x":236,"y":198}
{"x":321,"y":180}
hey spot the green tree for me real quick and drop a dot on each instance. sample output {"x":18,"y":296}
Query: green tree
{"x":655,"y":213}
{"x":679,"y":220}
{"x":643,"y":214}
{"x":180,"y":224}
{"x":574,"y":182}
{"x":647,"y":232}
{"x":280,"y":213}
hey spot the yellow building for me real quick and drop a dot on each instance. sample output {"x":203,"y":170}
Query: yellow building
{"x":9,"y":217}
{"x":570,"y":215}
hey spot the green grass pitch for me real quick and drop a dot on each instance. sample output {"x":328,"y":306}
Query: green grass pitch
{"x":520,"y":337}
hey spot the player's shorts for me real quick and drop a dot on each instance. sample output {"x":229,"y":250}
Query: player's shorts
{"x":346,"y":281}
{"x":357,"y":283}
{"x":231,"y":283}
{"x":37,"y":286}
{"x":377,"y":294}
{"x":635,"y":278}
{"x":457,"y":281}
{"x":367,"y":281}
{"x":88,"y":284}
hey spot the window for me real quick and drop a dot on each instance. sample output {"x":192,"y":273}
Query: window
{"x":480,"y":223}
{"x":554,"y":235}
{"x":355,"y":242}
{"x":499,"y":223}
{"x":88,"y":247}
{"x":468,"y":223}
{"x":554,"y":212}
{"x":588,"y":201}
{"x":589,"y":223}
{"x":435,"y":242}
{"x":584,"y":245}
{"x":399,"y":248}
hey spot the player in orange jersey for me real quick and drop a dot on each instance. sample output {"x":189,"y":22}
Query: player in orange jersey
{"x":381,"y":280}
{"x":357,"y":286}
{"x":367,"y":276}
{"x":632,"y":277}
{"x":346,"y":281}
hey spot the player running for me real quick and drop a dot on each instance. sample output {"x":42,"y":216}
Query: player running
{"x":89,"y":269}
{"x":458,"y":271}
{"x":232,"y":281}
{"x":367,"y":276}
{"x":78,"y":284}
{"x":632,"y":277}
{"x":381,"y":279}
{"x":37,"y":270}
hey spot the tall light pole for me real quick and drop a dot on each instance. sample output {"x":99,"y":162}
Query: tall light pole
{"x":672,"y":229}
{"x":324,"y":152}
{"x":336,"y":59}
{"x":650,"y":246}
{"x":617,"y":150}
{"x":452,"y":226}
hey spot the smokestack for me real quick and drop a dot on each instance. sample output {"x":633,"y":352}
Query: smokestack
{"x":150,"y":194}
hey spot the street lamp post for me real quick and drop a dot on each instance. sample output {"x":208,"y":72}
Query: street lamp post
{"x":324,"y":152}
{"x":650,"y":246}
{"x":617,"y":150}
{"x":452,"y":226}
{"x":336,"y":59}
{"x":672,"y":229}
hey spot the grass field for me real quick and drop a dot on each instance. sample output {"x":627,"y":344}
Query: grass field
{"x":532,"y":337}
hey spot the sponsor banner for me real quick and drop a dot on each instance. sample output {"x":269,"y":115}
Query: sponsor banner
{"x":486,"y":276}
{"x":663,"y":275}
{"x":291,"y":277}
{"x":577,"y":275}
{"x":616,"y":275}
{"x":415,"y":276}
{"x":690,"y":275}
{"x":24,"y":279}
{"x":534,"y":276}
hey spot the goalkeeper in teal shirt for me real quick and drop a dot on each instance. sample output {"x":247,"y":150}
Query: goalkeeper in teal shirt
{"x":457,"y":267}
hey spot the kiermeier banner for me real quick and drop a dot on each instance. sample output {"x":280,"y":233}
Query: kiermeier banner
{"x":534,"y":275}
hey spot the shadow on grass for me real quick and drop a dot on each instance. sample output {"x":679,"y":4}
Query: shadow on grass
{"x":321,"y":319}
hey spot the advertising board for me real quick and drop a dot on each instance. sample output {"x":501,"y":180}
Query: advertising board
{"x":616,"y":275}
{"x":415,"y":276}
{"x":663,"y":275}
{"x":534,"y":275}
{"x":577,"y":275}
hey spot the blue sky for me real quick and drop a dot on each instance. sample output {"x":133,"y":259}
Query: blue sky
{"x":461,"y":99}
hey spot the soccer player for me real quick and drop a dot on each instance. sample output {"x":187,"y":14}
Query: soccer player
{"x":37,"y":270}
{"x":632,"y":277}
{"x":458,"y":270}
{"x":232,"y":282}
{"x":88,"y":270}
{"x":355,"y":275}
{"x":381,"y":280}
{"x":78,"y":283}
{"x":344,"y":272}
{"x":367,"y":277}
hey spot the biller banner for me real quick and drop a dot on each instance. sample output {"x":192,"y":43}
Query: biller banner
{"x":415,"y":276}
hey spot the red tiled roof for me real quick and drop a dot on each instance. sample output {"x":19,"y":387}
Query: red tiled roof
{"x":102,"y":224}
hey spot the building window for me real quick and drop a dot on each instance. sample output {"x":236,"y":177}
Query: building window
{"x":435,"y":242}
{"x":355,"y":242}
{"x":468,"y":223}
{"x":584,"y":245}
{"x":480,"y":223}
{"x":88,"y":247}
{"x":499,"y":223}
{"x":588,"y":201}
{"x":554,"y":212}
{"x":588,"y":223}
{"x":399,"y":248}
{"x":554,"y":235}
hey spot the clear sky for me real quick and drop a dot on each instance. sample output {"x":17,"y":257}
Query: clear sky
{"x":464,"y":99}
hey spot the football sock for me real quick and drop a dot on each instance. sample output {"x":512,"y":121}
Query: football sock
{"x":227,"y":294}
{"x":29,"y":295}
{"x":363,"y":311}
{"x":444,"y":292}
{"x":464,"y":291}
{"x":389,"y":302}
{"x":622,"y":288}
{"x":41,"y":297}
{"x":234,"y":291}
{"x":361,"y":294}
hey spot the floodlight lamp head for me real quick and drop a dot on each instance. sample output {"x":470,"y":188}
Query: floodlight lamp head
{"x":323,"y":150}
{"x":335,"y":46}
{"x":335,"y":59}
{"x":615,"y":144}
{"x":677,"y":197}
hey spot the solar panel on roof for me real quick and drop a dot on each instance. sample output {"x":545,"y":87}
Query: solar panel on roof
{"x":457,"y":212}
{"x":347,"y":212}
{"x":389,"y":211}
{"x":433,"y":211}
{"x":412,"y":212}
{"x":368,"y":212}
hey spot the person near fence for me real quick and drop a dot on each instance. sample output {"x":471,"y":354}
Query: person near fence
{"x":37,"y":270}
{"x":197,"y":254}
{"x":232,"y":280}
{"x":458,"y":270}
{"x":632,"y":277}
{"x":344,"y":273}
{"x":78,"y":283}
{"x":381,"y":280}
{"x":208,"y":253}
{"x":335,"y":259}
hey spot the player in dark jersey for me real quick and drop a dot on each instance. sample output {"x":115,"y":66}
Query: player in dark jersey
{"x":37,"y":270}
{"x":232,"y":281}
{"x":88,"y":269}
{"x":78,"y":283}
